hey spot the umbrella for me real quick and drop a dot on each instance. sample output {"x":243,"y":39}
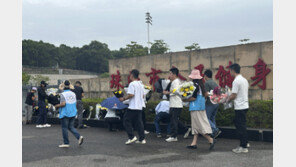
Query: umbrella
{"x":113,"y":102}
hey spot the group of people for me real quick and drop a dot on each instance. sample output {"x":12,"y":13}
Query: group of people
{"x":202,"y":111}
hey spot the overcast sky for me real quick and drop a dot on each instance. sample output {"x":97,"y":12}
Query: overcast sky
{"x":179,"y":23}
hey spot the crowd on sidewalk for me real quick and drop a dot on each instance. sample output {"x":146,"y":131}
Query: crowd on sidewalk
{"x":202,"y":110}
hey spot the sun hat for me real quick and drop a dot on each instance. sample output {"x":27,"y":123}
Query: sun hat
{"x":195,"y":74}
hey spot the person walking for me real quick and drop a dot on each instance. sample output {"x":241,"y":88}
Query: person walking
{"x":29,"y":105}
{"x":162,"y":115}
{"x":42,"y":118}
{"x":175,"y":104}
{"x":211,"y":109}
{"x":68,"y":111}
{"x":239,"y":95}
{"x":78,"y":90}
{"x":133,"y":115}
{"x":199,"y":121}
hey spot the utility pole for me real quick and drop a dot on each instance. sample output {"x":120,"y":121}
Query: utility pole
{"x":148,"y":21}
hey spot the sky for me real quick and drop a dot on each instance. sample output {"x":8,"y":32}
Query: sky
{"x":210,"y":23}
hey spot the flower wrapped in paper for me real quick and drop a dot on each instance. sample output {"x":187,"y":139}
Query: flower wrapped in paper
{"x":53,"y":96}
{"x":219,"y":95}
{"x":185,"y":90}
{"x":118,"y":93}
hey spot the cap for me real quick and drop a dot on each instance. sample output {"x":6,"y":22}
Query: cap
{"x":34,"y":88}
{"x":67,"y":83}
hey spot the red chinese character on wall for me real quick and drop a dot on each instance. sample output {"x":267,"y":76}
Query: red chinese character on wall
{"x":153,"y":77}
{"x":180,"y":75}
{"x":200,"y":68}
{"x":260,"y":74}
{"x":115,"y":81}
{"x":224,"y":77}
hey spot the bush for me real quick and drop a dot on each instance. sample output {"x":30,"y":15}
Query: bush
{"x":87,"y":102}
{"x":260,"y":114}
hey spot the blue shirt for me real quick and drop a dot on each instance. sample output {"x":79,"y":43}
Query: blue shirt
{"x":69,"y":110}
{"x":163,"y":106}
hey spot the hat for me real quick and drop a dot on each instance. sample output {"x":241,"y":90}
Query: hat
{"x":43,"y":82}
{"x":34,"y":88}
{"x":195,"y":74}
{"x":67,"y":84}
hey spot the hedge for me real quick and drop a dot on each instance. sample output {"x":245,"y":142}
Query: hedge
{"x":260,"y":114}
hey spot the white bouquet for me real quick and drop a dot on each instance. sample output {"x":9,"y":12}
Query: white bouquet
{"x":185,"y":90}
{"x":51,"y":91}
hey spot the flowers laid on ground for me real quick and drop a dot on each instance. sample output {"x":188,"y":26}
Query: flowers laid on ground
{"x":185,"y":90}
{"x":118,"y":93}
{"x":52,"y":91}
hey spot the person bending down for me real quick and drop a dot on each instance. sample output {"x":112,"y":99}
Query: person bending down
{"x":162,"y":115}
{"x":112,"y":119}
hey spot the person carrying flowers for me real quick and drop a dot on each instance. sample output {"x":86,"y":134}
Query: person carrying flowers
{"x":199,"y":121}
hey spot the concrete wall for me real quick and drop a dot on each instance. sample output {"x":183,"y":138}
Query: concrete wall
{"x":246,"y":55}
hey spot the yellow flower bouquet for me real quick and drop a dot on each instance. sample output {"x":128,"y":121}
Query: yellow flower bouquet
{"x":118,"y":93}
{"x":185,"y":90}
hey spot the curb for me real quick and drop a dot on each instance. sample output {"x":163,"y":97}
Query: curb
{"x":265,"y":135}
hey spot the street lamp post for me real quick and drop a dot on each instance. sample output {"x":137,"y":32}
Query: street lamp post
{"x":148,"y":21}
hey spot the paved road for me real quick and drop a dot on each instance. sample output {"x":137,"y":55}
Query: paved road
{"x":103,"y":148}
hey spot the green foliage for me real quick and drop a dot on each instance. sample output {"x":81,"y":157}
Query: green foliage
{"x":38,"y":78}
{"x":260,"y":114}
{"x":105,"y":75}
{"x":92,"y":57}
{"x":25,"y":78}
{"x":194,"y":46}
{"x":87,"y":102}
{"x":159,"y":47}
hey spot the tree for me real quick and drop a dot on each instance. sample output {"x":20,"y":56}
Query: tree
{"x":194,"y":46}
{"x":159,"y":47}
{"x":93,"y":57}
{"x":25,"y":78}
{"x":133,"y":49}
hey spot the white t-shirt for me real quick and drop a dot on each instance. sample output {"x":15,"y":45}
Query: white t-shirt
{"x":136,"y":88}
{"x":240,"y":86}
{"x":175,"y":98}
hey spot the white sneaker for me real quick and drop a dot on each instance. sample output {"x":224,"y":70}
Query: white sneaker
{"x":171,"y":139}
{"x":240,"y":150}
{"x":187,"y":133}
{"x":80,"y":141}
{"x":146,"y":132}
{"x":64,"y":146}
{"x":248,"y":145}
{"x":47,"y":125}
{"x":141,"y":142}
{"x":39,"y":126}
{"x":131,"y":140}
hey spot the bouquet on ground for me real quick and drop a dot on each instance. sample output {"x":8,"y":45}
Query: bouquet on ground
{"x":118,"y":93}
{"x":185,"y":90}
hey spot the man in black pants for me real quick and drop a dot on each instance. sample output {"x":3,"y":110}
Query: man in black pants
{"x":78,"y":90}
{"x":176,"y":104}
{"x":240,"y":87}
{"x":41,"y":122}
{"x":135,"y":94}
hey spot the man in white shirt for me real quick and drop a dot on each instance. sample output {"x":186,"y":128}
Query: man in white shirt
{"x":162,"y":115}
{"x":176,"y":104}
{"x":240,"y":87}
{"x":133,"y":115}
